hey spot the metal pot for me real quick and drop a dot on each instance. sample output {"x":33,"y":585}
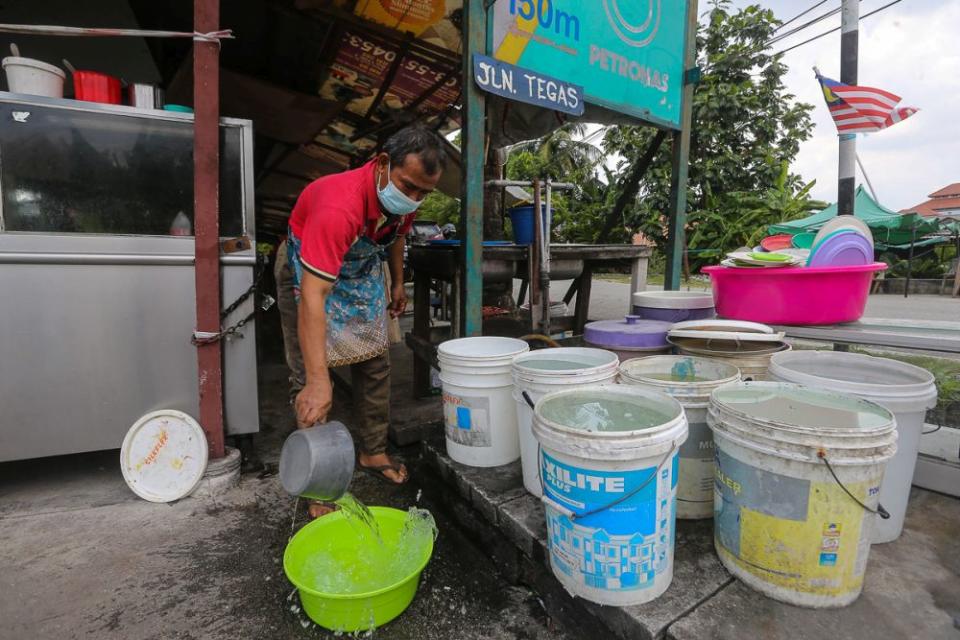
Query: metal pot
{"x":317,"y":463}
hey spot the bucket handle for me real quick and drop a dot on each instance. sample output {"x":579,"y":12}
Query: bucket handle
{"x":880,"y":511}
{"x":577,"y":516}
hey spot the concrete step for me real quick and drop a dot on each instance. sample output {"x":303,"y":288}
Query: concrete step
{"x":912,"y":586}
{"x":499,"y":497}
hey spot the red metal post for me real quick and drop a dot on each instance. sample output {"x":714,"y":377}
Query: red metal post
{"x":206,"y":223}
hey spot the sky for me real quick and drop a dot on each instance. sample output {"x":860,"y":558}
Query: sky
{"x":911,"y":49}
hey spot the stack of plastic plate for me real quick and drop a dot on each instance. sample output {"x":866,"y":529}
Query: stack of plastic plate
{"x":844,"y":241}
{"x":761,"y":260}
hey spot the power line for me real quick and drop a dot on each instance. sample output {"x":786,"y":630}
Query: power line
{"x":825,"y":33}
{"x":799,"y":15}
{"x":805,"y":25}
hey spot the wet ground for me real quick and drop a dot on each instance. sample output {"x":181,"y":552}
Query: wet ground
{"x":82,"y":556}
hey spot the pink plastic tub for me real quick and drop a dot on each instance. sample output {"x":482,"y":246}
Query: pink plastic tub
{"x":793,"y":295}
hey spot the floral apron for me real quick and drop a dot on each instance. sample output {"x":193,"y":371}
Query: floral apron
{"x":356,"y":306}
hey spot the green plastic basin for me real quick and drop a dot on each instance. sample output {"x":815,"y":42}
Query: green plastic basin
{"x":357,"y":611}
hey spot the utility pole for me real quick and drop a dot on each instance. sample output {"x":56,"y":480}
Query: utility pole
{"x":849,"y":35}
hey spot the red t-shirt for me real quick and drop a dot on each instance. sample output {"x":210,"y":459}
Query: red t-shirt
{"x":334,"y":211}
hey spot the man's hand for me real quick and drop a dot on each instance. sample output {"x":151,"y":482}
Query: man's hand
{"x":313,"y":403}
{"x":398,"y":300}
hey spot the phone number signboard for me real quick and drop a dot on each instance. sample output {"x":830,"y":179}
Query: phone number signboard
{"x":626,"y":54}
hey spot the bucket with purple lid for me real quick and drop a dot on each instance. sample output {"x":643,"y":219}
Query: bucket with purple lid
{"x":673,"y":306}
{"x":632,"y":337}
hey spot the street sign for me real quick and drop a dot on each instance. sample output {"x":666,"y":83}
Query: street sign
{"x":627,"y":55}
{"x":516,"y":83}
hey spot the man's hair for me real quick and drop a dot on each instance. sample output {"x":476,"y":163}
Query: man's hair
{"x":421,"y":142}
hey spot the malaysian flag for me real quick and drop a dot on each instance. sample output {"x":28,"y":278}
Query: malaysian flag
{"x":858,"y":109}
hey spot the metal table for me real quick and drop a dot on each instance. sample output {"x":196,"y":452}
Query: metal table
{"x":502,"y":264}
{"x":943,"y":337}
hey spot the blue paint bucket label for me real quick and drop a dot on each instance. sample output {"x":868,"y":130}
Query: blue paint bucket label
{"x":619,"y":548}
{"x":467,"y":420}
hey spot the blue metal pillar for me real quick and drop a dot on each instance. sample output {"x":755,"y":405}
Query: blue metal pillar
{"x":473,"y":116}
{"x":681,"y":157}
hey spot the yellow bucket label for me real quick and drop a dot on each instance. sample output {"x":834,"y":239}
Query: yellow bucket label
{"x":797,"y":534}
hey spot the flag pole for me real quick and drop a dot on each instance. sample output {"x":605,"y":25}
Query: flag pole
{"x":847,"y":173}
{"x":866,"y":177}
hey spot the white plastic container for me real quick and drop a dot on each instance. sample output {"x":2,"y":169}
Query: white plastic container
{"x":752,"y":358}
{"x":479,"y":412}
{"x":690,"y":381}
{"x":541,"y":372}
{"x":798,"y":473}
{"x":673,"y":306}
{"x":33,"y":77}
{"x":904,"y":389}
{"x":609,"y":457}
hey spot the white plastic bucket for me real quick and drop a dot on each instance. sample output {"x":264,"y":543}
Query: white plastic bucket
{"x":904,"y":389}
{"x":479,"y":413}
{"x":33,"y":77}
{"x":608,"y":459}
{"x":690,"y":381}
{"x":541,"y":372}
{"x":798,"y":473}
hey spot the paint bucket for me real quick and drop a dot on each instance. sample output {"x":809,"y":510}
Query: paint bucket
{"x":479,"y":413}
{"x":904,"y":389}
{"x":752,"y":358}
{"x":521,"y":219}
{"x":608,"y":462}
{"x":541,"y":372}
{"x":798,"y":474}
{"x":33,"y":77}
{"x":690,"y":381}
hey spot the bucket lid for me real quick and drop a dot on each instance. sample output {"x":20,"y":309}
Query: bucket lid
{"x":609,"y":422}
{"x":673,"y":299}
{"x":796,"y":407}
{"x":682,"y":377}
{"x":564,"y":362}
{"x":164,"y":456}
{"x":482,"y":348}
{"x":726,"y":330}
{"x":881,"y":379}
{"x":727,"y":348}
{"x":632,"y":332}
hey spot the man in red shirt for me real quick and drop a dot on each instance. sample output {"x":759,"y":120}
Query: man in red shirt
{"x":341,"y":230}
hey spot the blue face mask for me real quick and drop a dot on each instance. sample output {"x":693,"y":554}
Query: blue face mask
{"x":395,"y":201}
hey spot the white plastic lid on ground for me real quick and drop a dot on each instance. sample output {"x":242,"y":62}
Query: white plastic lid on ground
{"x":164,"y":456}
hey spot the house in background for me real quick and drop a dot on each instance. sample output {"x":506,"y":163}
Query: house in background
{"x":945,"y":202}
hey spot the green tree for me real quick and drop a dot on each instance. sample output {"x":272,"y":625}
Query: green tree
{"x":746,"y":128}
{"x":562,"y":152}
{"x":440,"y":208}
{"x":710,"y":235}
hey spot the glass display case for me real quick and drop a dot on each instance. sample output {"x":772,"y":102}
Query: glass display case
{"x":97,"y":294}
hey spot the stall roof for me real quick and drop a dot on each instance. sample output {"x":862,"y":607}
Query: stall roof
{"x":888,"y":226}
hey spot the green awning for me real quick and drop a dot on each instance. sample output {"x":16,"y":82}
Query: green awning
{"x":921,"y":242}
{"x":888,"y":227}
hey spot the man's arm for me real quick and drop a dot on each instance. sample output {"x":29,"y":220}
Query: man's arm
{"x":398,"y":294}
{"x":313,"y":402}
